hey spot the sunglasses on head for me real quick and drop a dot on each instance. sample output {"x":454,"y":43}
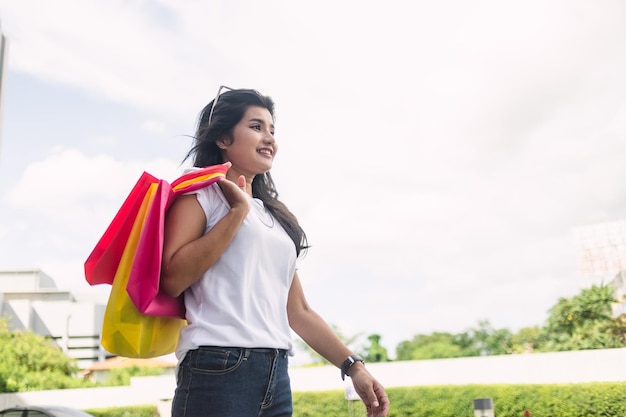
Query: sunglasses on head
{"x":217,"y":96}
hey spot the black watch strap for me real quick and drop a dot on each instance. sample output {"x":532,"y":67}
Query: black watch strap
{"x":351,"y":360}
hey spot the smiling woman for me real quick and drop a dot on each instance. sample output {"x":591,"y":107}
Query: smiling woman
{"x":231,"y":250}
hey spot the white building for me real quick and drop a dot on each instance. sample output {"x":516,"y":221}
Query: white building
{"x":30,"y":300}
{"x":602,"y":258}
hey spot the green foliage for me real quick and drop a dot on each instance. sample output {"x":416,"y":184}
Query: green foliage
{"x":375,"y":352}
{"x":437,"y":345}
{"x":30,"y":362}
{"x":317,"y":404}
{"x":584,"y":322}
{"x":480,"y":341}
{"x":134,"y":411}
{"x":527,"y":340}
{"x":558,"y":400}
{"x":484,"y":340}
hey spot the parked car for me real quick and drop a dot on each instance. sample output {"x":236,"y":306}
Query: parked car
{"x":43,"y":411}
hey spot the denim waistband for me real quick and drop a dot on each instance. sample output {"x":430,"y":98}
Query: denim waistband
{"x":270,"y":351}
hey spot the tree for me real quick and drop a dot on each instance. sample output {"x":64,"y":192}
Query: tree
{"x":437,"y":345}
{"x":375,"y":352}
{"x":481,"y":341}
{"x":581,"y":322}
{"x":484,"y":340}
{"x":526,"y":340}
{"x":30,"y":362}
{"x":584,"y":321}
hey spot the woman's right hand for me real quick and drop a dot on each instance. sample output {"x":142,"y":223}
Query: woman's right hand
{"x":235,"y":193}
{"x":187,"y":250}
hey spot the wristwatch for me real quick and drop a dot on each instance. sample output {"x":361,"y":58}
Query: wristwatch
{"x":351,"y":360}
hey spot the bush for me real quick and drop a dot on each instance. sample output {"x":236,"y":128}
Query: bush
{"x":135,"y":411}
{"x":558,"y":400}
{"x":30,"y":362}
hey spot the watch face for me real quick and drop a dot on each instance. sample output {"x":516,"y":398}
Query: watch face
{"x":350,"y":360}
{"x":355,"y":358}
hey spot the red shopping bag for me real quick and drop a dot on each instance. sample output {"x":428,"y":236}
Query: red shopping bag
{"x":102,"y":263}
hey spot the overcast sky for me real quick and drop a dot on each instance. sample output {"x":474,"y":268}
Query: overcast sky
{"x":439,"y":154}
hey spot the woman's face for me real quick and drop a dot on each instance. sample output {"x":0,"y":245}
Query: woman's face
{"x":252,"y":148}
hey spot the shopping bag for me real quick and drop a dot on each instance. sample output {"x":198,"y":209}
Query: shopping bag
{"x":143,"y":282}
{"x":126,"y":331}
{"x":129,"y":255}
{"x":101,"y":265}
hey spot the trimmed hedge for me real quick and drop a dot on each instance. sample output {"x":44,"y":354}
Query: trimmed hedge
{"x":134,"y":411}
{"x":558,"y":400}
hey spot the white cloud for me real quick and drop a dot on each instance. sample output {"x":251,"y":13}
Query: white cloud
{"x":113,"y":49}
{"x":64,"y":203}
{"x":67,"y":177}
{"x":153,"y":126}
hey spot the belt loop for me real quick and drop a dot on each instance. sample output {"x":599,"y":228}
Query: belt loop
{"x":246,"y":354}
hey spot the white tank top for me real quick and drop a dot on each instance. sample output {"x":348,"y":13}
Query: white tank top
{"x":241,"y":301}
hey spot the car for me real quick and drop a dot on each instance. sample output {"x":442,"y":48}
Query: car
{"x":43,"y":411}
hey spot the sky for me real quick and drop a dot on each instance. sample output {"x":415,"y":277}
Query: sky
{"x":439,"y":155}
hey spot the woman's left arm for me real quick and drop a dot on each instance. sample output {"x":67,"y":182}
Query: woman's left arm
{"x":318,"y":335}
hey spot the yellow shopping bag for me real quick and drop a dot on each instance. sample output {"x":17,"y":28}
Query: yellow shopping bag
{"x":126,"y":331}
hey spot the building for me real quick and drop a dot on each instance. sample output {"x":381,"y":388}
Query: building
{"x":602,"y":258}
{"x":30,"y":300}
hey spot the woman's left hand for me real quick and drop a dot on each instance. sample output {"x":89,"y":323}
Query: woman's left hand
{"x":371,"y":392}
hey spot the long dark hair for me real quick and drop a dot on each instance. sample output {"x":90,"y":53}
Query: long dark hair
{"x":230,"y":108}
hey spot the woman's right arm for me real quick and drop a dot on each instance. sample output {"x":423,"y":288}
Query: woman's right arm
{"x":187,"y":251}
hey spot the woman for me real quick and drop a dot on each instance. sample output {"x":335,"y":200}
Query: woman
{"x":231,"y":248}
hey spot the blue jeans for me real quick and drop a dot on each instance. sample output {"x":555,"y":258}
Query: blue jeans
{"x":233,"y":382}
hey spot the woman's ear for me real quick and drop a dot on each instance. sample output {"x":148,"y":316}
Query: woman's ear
{"x":221,"y":143}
